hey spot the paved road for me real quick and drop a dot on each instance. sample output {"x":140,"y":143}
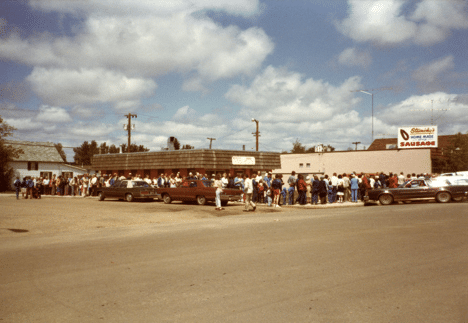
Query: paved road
{"x":401,"y":263}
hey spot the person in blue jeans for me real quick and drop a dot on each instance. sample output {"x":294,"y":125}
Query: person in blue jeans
{"x":354,"y":188}
{"x":315,"y":190}
{"x":17,"y":185}
{"x":291,"y":191}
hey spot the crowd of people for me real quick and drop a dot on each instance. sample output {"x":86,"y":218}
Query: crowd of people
{"x":268,"y":189}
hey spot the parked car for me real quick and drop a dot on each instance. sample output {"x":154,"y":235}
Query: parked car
{"x":420,"y":189}
{"x":198,"y":191}
{"x":129,"y":190}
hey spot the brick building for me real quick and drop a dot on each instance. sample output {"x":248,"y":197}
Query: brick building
{"x":204,"y":161}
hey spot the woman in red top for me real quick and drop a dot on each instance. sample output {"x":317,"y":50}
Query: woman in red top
{"x":302,"y":188}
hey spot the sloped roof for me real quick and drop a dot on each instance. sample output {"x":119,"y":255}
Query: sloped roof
{"x":36,"y":151}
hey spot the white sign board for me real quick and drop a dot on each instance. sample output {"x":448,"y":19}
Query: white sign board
{"x":417,"y":137}
{"x":237,"y":160}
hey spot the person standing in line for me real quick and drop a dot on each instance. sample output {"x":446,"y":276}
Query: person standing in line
{"x":248,"y":191}
{"x":291,"y":190}
{"x":267,"y":185}
{"x":365,"y":186}
{"x":308,"y":181}
{"x":401,"y":179}
{"x":315,"y":190}
{"x":292,"y":187}
{"x":30,"y":187}
{"x":354,"y":188}
{"x":276,"y":186}
{"x":334,"y":183}
{"x":17,"y":185}
{"x":84,"y":186}
{"x":218,"y":183}
{"x":225,"y":181}
{"x":340,"y":189}
{"x":255,"y":188}
{"x":53,"y":185}
{"x":46,"y":183}
{"x":383,"y":179}
{"x":347,"y":190}
{"x":323,"y":189}
{"x":302,"y":189}
{"x":393,"y":181}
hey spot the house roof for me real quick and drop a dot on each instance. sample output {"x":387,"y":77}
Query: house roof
{"x":444,"y":141}
{"x":36,"y":151}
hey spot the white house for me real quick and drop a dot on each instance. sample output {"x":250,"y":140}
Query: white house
{"x":41,"y":159}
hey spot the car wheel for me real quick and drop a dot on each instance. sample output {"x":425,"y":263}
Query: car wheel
{"x":129,"y":197}
{"x":224,"y":203}
{"x":167,"y":199}
{"x":443,"y":197}
{"x":386,"y":199}
{"x":101,"y":196}
{"x":201,"y":200}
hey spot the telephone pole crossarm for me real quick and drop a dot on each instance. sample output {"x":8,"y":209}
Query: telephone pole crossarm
{"x":211,"y":139}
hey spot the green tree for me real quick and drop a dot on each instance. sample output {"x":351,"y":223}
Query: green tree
{"x":458,"y":153}
{"x":187,"y":147}
{"x":134,"y":148}
{"x":298,"y":147}
{"x":176,"y":144}
{"x":7,"y":155}
{"x":61,"y":152}
{"x":85,"y":152}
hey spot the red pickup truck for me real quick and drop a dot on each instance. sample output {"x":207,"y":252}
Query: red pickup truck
{"x":198,"y":191}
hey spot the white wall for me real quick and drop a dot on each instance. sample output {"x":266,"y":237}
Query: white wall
{"x":21,"y":169}
{"x":405,"y":160}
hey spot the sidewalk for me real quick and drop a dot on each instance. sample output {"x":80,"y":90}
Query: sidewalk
{"x":306,"y":206}
{"x":318,"y":206}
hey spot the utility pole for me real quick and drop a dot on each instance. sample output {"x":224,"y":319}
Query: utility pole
{"x":211,"y":139}
{"x":372,"y":94}
{"x":356,"y":143}
{"x":256,"y":133}
{"x":129,"y":128}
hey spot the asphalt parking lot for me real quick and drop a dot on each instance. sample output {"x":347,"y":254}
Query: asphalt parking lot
{"x":59,"y":213}
{"x":81,"y":260}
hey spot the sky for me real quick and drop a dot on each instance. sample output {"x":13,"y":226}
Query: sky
{"x":70,"y":70}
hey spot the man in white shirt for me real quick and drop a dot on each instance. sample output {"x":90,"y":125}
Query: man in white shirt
{"x":401,"y":179}
{"x":248,"y":190}
{"x":225,"y":180}
{"x":93,"y":187}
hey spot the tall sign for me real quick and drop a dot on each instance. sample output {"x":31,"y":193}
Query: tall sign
{"x":417,"y":137}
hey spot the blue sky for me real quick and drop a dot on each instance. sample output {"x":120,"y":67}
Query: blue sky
{"x":72,"y":69}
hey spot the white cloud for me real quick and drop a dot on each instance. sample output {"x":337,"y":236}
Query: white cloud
{"x":185,"y":115}
{"x":379,"y":21}
{"x":442,"y":108}
{"x":278,"y":94}
{"x":86,"y":86}
{"x":147,"y":46}
{"x":353,"y":57}
{"x":385,"y":23}
{"x":430,"y":76}
{"x":53,"y":114}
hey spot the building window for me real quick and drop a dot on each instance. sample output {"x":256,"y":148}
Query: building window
{"x":301,"y":165}
{"x":308,"y":165}
{"x":33,"y":166}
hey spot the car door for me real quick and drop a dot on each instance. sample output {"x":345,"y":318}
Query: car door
{"x":419,"y":190}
